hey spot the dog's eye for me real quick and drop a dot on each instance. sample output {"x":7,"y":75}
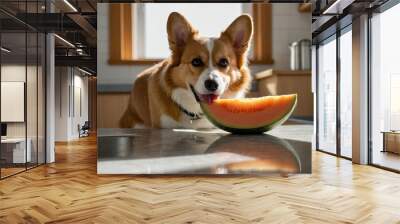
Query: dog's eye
{"x":197,"y":62}
{"x":223,"y":62}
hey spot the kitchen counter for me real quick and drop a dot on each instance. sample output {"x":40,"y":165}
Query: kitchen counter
{"x":280,"y":82}
{"x":185,"y":151}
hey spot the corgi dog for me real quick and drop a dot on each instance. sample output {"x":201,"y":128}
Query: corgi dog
{"x":199,"y":68}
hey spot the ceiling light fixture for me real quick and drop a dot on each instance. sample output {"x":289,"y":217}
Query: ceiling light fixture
{"x":84,"y":71}
{"x":70,"y":5}
{"x":5,"y":50}
{"x":79,"y":51}
{"x":64,"y":40}
{"x":337,"y":7}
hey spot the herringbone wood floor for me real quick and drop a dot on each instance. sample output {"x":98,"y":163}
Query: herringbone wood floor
{"x":69,"y":191}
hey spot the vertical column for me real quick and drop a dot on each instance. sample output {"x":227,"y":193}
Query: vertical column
{"x":338,"y":91}
{"x":50,"y":92}
{"x":50,"y":98}
{"x":360,"y":90}
{"x":314,"y":92}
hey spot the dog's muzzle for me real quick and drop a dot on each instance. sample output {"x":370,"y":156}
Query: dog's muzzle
{"x":208,"y":98}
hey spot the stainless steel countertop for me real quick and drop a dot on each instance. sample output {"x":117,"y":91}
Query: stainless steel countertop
{"x":180,"y":151}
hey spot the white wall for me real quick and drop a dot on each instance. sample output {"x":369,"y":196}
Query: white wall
{"x":81,"y":83}
{"x":288,"y":25}
{"x":68,"y":80}
{"x":34,"y":125}
{"x":62,"y":81}
{"x":12,"y":73}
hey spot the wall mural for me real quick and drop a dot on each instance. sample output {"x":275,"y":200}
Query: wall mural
{"x":178,"y":93}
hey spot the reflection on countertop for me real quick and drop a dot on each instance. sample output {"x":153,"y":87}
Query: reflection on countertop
{"x":183,"y":151}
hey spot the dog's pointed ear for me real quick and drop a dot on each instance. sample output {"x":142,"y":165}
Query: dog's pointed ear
{"x":179,"y":31}
{"x":239,"y":33}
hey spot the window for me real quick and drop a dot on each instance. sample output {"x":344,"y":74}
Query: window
{"x":327,"y":96}
{"x":394,"y":101}
{"x":150,"y":36}
{"x":385,"y":87}
{"x":138,"y":36}
{"x":346,"y":94}
{"x":334,"y":93}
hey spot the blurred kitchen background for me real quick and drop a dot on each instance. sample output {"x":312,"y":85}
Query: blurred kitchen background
{"x":280,"y":57}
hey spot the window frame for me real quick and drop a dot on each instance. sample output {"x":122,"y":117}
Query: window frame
{"x":121,"y":22}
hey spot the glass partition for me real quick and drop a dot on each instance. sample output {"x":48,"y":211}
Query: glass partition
{"x":31,"y":99}
{"x":22,"y":78}
{"x":14,"y":153}
{"x":326,"y":98}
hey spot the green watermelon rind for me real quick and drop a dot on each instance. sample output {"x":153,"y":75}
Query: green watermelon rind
{"x":253,"y":130}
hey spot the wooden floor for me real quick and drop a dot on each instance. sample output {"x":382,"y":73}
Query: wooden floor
{"x":5,"y":172}
{"x":70,"y":191}
{"x":387,"y":159}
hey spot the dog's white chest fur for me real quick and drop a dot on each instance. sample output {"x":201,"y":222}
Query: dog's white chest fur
{"x":185,"y":122}
{"x":185,"y":99}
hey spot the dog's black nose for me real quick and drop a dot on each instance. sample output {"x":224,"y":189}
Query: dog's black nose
{"x":211,"y":85}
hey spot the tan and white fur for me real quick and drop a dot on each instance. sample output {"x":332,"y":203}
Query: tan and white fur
{"x":214,"y":67}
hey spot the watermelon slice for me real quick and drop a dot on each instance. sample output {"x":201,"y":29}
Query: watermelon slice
{"x":250,"y":115}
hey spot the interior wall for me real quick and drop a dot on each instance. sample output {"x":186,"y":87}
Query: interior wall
{"x":16,"y":72}
{"x":92,"y":109}
{"x":68,"y":82}
{"x":62,"y":81}
{"x":79,"y":116}
{"x":288,"y":25}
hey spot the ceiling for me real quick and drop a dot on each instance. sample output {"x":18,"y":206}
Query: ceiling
{"x":328,"y":16}
{"x":74,"y":21}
